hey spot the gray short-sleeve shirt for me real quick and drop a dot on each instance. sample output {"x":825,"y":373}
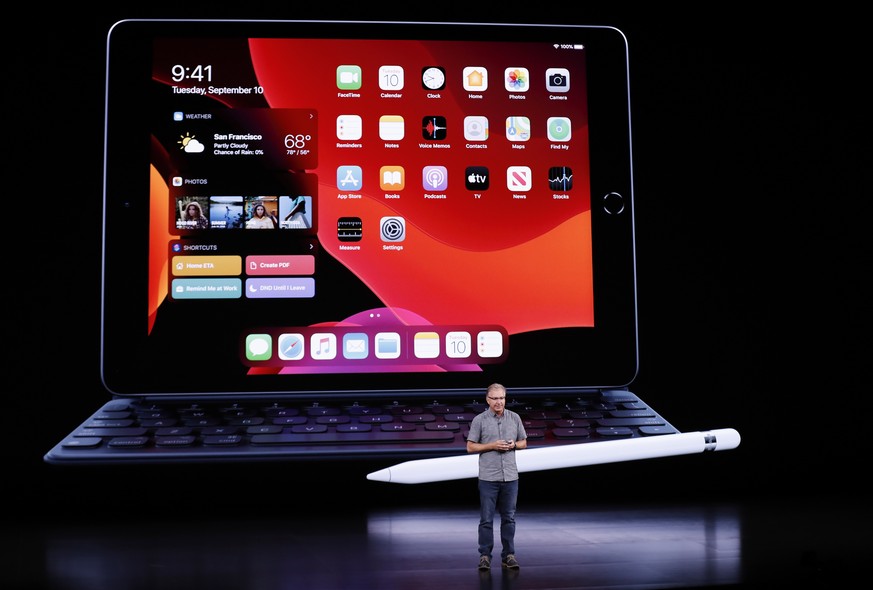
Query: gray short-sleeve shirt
{"x":488,"y":427}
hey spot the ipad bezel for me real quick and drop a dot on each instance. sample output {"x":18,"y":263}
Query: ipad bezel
{"x":604,"y":356}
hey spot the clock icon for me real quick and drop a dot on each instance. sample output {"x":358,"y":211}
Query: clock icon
{"x":433,"y":78}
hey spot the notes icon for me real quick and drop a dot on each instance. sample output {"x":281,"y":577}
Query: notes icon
{"x":391,"y":127}
{"x":426,"y":345}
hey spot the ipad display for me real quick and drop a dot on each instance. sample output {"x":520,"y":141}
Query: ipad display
{"x":370,"y":207}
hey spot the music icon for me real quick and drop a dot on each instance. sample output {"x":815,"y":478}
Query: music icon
{"x":323,"y":346}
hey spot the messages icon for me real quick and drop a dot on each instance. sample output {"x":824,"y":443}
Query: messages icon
{"x":259,"y":347}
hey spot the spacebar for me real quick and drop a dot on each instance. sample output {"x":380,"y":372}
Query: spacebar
{"x":376,"y":436}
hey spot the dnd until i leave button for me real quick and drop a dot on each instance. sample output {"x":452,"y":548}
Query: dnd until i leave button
{"x":206,"y":289}
{"x":279,"y":287}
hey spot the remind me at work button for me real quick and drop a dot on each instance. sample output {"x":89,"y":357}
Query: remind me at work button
{"x":228,"y":288}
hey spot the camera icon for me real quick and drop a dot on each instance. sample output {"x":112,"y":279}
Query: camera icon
{"x":558,"y":80}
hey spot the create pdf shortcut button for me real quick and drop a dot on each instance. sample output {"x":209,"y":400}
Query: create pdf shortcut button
{"x":302,"y":264}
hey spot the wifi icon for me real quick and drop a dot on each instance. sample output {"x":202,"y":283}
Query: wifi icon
{"x":555,"y":45}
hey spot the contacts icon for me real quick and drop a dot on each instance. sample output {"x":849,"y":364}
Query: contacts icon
{"x":475,"y":128}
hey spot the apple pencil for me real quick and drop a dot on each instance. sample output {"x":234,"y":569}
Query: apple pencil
{"x":557,"y":457}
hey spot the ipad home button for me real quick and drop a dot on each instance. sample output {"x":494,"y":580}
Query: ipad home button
{"x":613,"y":203}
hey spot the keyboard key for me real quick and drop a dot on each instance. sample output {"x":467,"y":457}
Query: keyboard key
{"x":175,"y":441}
{"x":378,"y":419}
{"x":657,"y":430}
{"x":174,"y":431}
{"x":571,"y":432}
{"x":418,"y":418}
{"x":83,"y":442}
{"x":109,"y":423}
{"x":133,"y":431}
{"x":614,"y":431}
{"x":630,"y":422}
{"x":398,"y":426}
{"x":354,"y":428}
{"x":632,"y":413}
{"x":129,"y":441}
{"x":264,"y":429}
{"x":450,"y":426}
{"x":223,"y":440}
{"x":333,"y":420}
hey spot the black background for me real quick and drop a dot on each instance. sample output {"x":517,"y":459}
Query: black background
{"x":752,"y":160}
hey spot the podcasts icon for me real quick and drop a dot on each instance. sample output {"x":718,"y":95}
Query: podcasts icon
{"x":435,"y":178}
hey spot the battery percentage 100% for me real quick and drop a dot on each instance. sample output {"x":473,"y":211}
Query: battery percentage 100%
{"x":297,"y":145}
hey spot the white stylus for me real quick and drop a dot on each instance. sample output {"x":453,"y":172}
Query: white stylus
{"x":558,"y":457}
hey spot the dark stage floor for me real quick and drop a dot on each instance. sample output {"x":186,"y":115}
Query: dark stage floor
{"x":256,"y":528}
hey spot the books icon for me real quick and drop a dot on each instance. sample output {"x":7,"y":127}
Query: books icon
{"x":392,"y":178}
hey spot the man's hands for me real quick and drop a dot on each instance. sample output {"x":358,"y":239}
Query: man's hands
{"x":504,"y":445}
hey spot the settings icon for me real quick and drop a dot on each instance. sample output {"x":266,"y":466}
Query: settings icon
{"x":392,"y":229}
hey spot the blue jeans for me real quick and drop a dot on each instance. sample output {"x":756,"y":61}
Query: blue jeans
{"x":497,"y":496}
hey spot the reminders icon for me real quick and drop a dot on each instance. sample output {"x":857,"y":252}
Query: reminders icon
{"x":387,"y":345}
{"x":489,"y":344}
{"x":426,"y":345}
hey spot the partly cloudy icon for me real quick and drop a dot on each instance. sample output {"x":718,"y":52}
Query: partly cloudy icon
{"x":191,"y":145}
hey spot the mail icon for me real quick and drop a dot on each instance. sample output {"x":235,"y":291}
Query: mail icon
{"x":355,"y":346}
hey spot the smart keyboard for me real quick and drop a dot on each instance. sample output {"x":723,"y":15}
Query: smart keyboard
{"x":148,"y":430}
